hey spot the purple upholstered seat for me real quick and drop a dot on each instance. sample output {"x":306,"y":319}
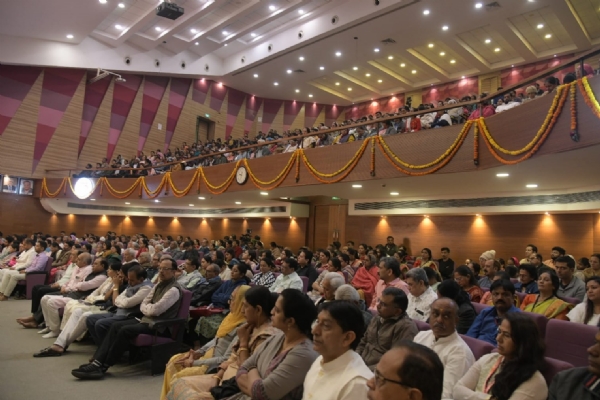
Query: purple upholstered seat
{"x":571,"y":300}
{"x":479,"y":307}
{"x":569,"y":341}
{"x":422,"y":326}
{"x":553,"y":367}
{"x":304,"y":283}
{"x":180,"y":262}
{"x":521,"y":296}
{"x":514,"y":280}
{"x":36,"y":278}
{"x":539,"y":320}
{"x":479,"y":347}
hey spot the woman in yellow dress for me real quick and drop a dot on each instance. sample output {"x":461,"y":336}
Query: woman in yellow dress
{"x":547,"y":302}
{"x":197,"y":362}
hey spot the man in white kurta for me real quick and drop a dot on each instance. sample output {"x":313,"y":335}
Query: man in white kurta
{"x":454,"y":353}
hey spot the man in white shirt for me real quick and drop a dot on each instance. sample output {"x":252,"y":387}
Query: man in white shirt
{"x":24,"y":260}
{"x":11,"y":277}
{"x":289,"y":278}
{"x":421,"y":295}
{"x":454,"y":353}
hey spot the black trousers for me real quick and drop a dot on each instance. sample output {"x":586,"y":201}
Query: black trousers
{"x":38,"y":292}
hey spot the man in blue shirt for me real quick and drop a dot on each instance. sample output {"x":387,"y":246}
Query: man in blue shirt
{"x":486,"y":324}
{"x":528,"y":280}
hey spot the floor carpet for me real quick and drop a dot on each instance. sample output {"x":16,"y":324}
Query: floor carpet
{"x":23,"y":377}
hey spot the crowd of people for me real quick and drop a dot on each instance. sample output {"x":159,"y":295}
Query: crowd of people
{"x":215,"y":152}
{"x":340,"y":322}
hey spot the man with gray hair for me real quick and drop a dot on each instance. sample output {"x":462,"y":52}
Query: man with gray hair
{"x":129,"y":256}
{"x":421,"y":295}
{"x":386,"y":331}
{"x":348,"y":293}
{"x":331,"y":282}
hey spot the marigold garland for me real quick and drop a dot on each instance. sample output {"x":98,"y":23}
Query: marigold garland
{"x":222,"y":187}
{"x":345,"y":173}
{"x":352,"y":161}
{"x":555,"y":109}
{"x":46,"y":192}
{"x":372,"y":157}
{"x":184,"y":192}
{"x":284,"y":171}
{"x":476,"y":145}
{"x":573,"y":133}
{"x":589,"y":96}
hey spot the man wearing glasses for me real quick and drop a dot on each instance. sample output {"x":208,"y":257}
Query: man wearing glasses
{"x":408,"y":371}
{"x":485,"y":326}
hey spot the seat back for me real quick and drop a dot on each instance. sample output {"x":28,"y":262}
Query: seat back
{"x":485,"y":289}
{"x":521,"y":296}
{"x":179,"y":262}
{"x":514,"y":280}
{"x":304,"y":283}
{"x":184,"y":312}
{"x":571,"y":300}
{"x":479,"y":307}
{"x":346,"y":276}
{"x":479,"y":347}
{"x":49,"y":264}
{"x":553,"y":367}
{"x":422,"y":326}
{"x":539,"y":320}
{"x":569,"y":341}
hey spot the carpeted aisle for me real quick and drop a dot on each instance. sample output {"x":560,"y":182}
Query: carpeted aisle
{"x":23,"y":377}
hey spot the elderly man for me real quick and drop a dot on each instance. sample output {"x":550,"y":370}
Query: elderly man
{"x":145,"y":260}
{"x":443,"y":338}
{"x":84,"y":280}
{"x":421,"y":295}
{"x":289,"y":278}
{"x":392,"y":326}
{"x":11,"y":276}
{"x":330,"y":284}
{"x":408,"y":371}
{"x":389,"y":276}
{"x":162,"y":302}
{"x":349,"y":293}
{"x":24,"y":261}
{"x":129,"y":256}
{"x":192,"y":276}
{"x":489,"y":269}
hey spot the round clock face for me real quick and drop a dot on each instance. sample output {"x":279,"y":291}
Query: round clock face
{"x":84,"y":187}
{"x":241,"y":176}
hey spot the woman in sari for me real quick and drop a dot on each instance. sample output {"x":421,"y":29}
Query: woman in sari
{"x":547,"y":303}
{"x":465,"y":277}
{"x":197,"y":362}
{"x":426,"y":260}
{"x":276,"y":371}
{"x":366,"y":278}
{"x":257,"y":305}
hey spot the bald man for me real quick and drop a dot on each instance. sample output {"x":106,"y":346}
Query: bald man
{"x":454,"y":353}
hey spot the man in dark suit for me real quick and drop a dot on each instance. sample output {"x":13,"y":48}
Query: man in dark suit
{"x":9,"y":185}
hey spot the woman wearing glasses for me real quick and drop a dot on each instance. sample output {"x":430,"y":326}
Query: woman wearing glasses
{"x":511,"y":373}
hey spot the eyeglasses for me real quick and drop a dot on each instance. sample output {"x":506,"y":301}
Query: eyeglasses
{"x":380,"y":380}
{"x":166,"y":269}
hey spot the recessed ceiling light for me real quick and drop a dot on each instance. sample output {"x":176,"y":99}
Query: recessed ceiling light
{"x":301,"y":58}
{"x":430,"y":45}
{"x":390,"y":57}
{"x":488,"y":41}
{"x":102,"y":1}
{"x":276,"y":83}
{"x":283,"y":198}
{"x":337,"y":84}
{"x":264,"y":193}
{"x":201,"y":198}
{"x":157,"y":201}
{"x":297,"y":90}
{"x":225,"y":33}
{"x":256,"y":75}
{"x":548,"y":36}
{"x":547,"y":213}
{"x":310,"y":95}
{"x":93,"y":199}
{"x":531,"y":185}
{"x":478,"y":5}
{"x":321,"y":68}
{"x":414,"y":71}
{"x":300,"y":11}
{"x":497,"y":49}
{"x":191,"y":205}
{"x":452,"y":61}
{"x":462,"y":77}
{"x":555,"y":55}
{"x":121,"y":5}
{"x":502,"y":175}
{"x":238,"y":202}
{"x":338,"y":53}
{"x":445,"y":27}
{"x":349,"y":89}
{"x":193,"y":30}
{"x":289,"y":71}
{"x":379,"y":81}
{"x":512,"y":65}
{"x":253,"y":34}
{"x":394,"y":193}
{"x":402,"y":65}
{"x":356,"y":186}
{"x":119,"y":27}
{"x":367,"y":75}
{"x":197,"y":43}
{"x":158,"y":28}
{"x":225,"y":45}
{"x":272,"y":8}
{"x":127,"y":203}
{"x":69,"y":36}
{"x":355,"y":68}
{"x":540,"y":26}
{"x":376,"y":50}
{"x":443,"y":53}
{"x":425,"y":12}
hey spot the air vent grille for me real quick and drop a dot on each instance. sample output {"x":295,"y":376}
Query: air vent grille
{"x":388,"y":41}
{"x":179,"y":211}
{"x":572,"y":198}
{"x":299,"y":71}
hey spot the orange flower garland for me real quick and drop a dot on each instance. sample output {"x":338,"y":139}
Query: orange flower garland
{"x":574,"y":134}
{"x":476,"y":145}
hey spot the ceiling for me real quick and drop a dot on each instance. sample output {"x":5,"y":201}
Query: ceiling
{"x":235,"y":40}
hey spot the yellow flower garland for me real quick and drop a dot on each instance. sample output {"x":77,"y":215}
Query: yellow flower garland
{"x":181,"y":193}
{"x":358,"y":154}
{"x":589,"y":96}
{"x":283,"y":171}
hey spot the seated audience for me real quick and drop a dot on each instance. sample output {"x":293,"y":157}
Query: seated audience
{"x":579,"y":383}
{"x":489,"y":269}
{"x":433,"y":277}
{"x":339,"y":373}
{"x":443,"y":338}
{"x":265,"y":277}
{"x":366,"y":277}
{"x":348,"y":293}
{"x":257,"y":305}
{"x":487,"y":296}
{"x":512,"y":372}
{"x":408,"y":371}
{"x":467,"y":279}
{"x":387,"y":330}
{"x":594,"y":268}
{"x":192,"y":275}
{"x":347,"y":269}
{"x":425,"y":260}
{"x":204,"y":290}
{"x":466,"y":312}
{"x":305,"y":267}
{"x":289,"y":278}
{"x":547,"y":303}
{"x":588,"y":311}
{"x":389,"y":276}
{"x":330,"y":284}
{"x":421,"y":296}
{"x":36,"y":261}
{"x":527,"y":279}
{"x":485,"y":326}
{"x":278,"y":369}
{"x":569,"y":285}
{"x":446,"y":264}
{"x":557,"y":251}
{"x":161,"y":303}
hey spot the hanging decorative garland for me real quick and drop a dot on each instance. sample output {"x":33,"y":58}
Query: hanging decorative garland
{"x":574,"y":134}
{"x":588,"y":95}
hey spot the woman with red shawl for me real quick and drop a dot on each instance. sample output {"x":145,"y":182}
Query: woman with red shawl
{"x":366,"y":277}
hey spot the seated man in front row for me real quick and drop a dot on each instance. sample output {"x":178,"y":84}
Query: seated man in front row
{"x":161,"y":303}
{"x":485,"y":326}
